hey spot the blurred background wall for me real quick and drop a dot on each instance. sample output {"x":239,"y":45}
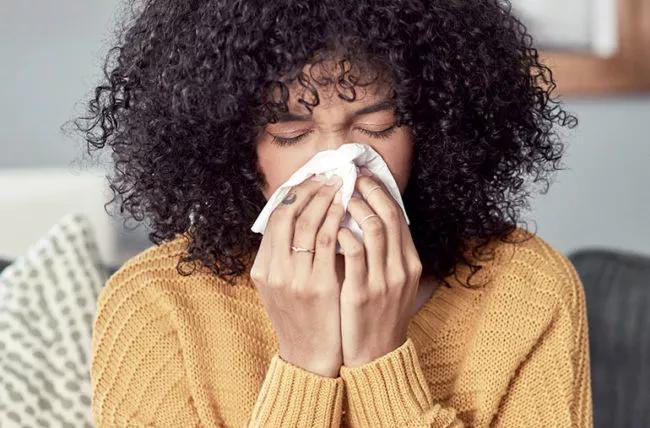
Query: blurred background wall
{"x":51,"y":58}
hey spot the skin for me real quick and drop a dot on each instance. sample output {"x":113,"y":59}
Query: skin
{"x":331,"y":309}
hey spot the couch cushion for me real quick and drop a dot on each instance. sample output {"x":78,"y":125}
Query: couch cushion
{"x":47,"y":308}
{"x":617,"y":290}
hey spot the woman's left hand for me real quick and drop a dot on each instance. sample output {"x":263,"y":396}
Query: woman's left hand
{"x":377,"y":299}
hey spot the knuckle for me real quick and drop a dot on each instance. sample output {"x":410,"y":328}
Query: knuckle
{"x":304,"y":294}
{"x":258,"y":276}
{"x":357,"y":299}
{"x":303,"y":223}
{"x":374,"y":226}
{"x":396,"y":278}
{"x":324,"y":240}
{"x":322,"y":191}
{"x":312,"y":185}
{"x":393,"y":214}
{"x":416,"y":269}
{"x":281,"y":212}
{"x":381,"y":293}
{"x":355,"y":250}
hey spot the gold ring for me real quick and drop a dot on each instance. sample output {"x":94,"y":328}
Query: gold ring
{"x":374,"y":188}
{"x":367,"y":217}
{"x":300,"y":249}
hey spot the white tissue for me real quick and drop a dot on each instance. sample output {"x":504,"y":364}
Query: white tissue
{"x":345,"y":162}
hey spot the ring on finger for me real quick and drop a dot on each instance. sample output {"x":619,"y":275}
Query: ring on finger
{"x":367,"y":217}
{"x":367,"y":194}
{"x":301,"y":249}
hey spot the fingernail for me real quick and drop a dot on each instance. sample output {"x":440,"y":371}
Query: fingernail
{"x":365,"y":171}
{"x":335,"y":179}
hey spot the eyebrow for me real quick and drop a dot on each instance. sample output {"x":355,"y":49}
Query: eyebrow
{"x":386,"y":104}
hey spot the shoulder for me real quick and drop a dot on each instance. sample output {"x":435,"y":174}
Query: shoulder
{"x":133,"y":305}
{"x":527,"y":260}
{"x":531,"y":279}
{"x":140,"y":281}
{"x":156,"y":261}
{"x":550,"y":270}
{"x":150,"y":285}
{"x":135,"y":334}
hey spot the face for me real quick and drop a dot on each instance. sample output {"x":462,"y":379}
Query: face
{"x":285,"y":146}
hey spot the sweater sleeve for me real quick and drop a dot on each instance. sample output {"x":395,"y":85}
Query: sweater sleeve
{"x":391,"y":391}
{"x":292,"y":396}
{"x":550,"y":387}
{"x":138,"y":372}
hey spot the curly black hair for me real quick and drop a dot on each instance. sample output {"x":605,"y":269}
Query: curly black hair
{"x":187,"y":87}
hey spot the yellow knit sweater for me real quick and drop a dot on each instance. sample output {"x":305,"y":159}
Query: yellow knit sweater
{"x":175,"y":351}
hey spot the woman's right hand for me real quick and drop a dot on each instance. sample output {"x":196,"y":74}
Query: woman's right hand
{"x":300,"y":290}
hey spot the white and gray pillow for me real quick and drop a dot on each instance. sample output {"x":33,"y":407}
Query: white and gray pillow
{"x":47,"y":306}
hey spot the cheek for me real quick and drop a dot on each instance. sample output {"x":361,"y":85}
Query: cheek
{"x":400,"y":168}
{"x":398,"y":158}
{"x":277,"y":165}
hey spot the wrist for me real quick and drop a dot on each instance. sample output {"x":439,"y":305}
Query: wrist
{"x":318,"y":366}
{"x":370,"y":354}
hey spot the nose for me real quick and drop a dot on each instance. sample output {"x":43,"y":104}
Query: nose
{"x":333,"y":140}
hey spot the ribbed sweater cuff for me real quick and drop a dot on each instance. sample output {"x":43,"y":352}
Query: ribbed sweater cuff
{"x":388,"y":391}
{"x":292,"y":396}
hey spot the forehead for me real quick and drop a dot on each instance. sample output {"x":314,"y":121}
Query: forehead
{"x":324,"y":78}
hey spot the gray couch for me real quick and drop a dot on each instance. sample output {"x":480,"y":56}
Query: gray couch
{"x":617,"y":289}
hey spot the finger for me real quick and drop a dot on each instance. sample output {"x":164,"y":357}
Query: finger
{"x":316,"y":228}
{"x":326,"y":238}
{"x":408,"y":246}
{"x":262,"y":258}
{"x":384,"y":205}
{"x":411,"y":256}
{"x":283,"y":218}
{"x":354,"y":255}
{"x":373,"y":236}
{"x":312,"y":215}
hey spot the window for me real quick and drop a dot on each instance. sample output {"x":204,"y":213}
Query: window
{"x":592,"y":46}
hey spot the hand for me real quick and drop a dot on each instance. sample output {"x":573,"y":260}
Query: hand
{"x":376,"y":299}
{"x":300,"y":290}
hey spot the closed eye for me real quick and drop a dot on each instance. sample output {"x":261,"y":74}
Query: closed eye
{"x":379,"y":134}
{"x":385,"y":133}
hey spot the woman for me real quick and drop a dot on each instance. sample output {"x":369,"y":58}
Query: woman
{"x":462,"y":318}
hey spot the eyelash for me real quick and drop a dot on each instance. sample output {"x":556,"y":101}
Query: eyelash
{"x":289,"y":141}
